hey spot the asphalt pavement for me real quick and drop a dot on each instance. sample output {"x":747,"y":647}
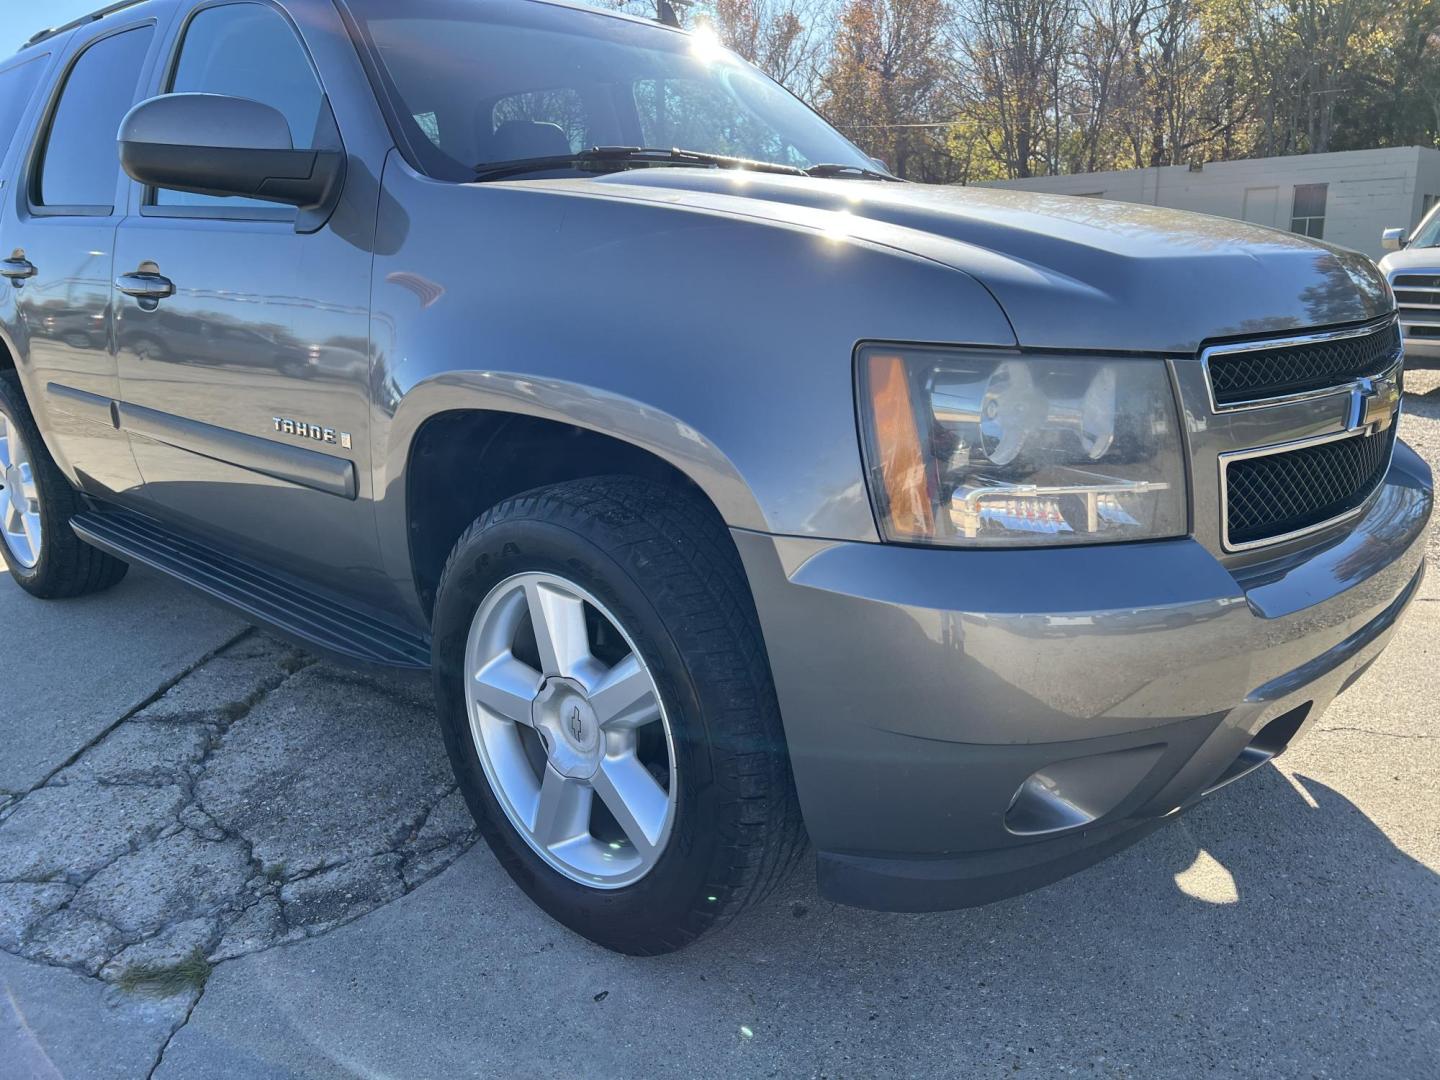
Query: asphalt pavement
{"x":220,"y":857}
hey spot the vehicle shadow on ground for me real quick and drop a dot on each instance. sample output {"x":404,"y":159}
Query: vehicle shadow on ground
{"x":1428,"y":400}
{"x":1275,"y":911}
{"x":1270,"y":932}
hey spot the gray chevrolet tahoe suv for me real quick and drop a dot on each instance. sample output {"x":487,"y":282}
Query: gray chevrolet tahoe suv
{"x":742,"y":498}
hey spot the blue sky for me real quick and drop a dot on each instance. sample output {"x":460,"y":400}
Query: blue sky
{"x":19,"y":18}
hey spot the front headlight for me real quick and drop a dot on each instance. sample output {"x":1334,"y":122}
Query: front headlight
{"x":1005,"y":449}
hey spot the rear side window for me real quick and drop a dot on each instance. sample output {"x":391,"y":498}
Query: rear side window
{"x":249,"y":51}
{"x":17,"y":87}
{"x":80,"y":163}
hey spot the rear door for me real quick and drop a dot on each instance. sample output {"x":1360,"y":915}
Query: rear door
{"x":62,"y":210}
{"x":246,"y":388}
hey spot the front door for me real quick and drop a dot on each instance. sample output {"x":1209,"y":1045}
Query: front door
{"x":62,"y":212}
{"x":242,"y":332}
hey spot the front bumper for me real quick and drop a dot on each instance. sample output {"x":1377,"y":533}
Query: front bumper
{"x":923,"y":689}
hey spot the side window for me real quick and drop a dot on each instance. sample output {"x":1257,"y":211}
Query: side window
{"x":249,"y":51}
{"x":562,"y":108}
{"x":79,"y":165}
{"x":17,"y":87}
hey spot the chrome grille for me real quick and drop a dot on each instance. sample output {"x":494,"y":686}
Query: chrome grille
{"x":1418,"y":297}
{"x":1257,"y":372}
{"x":1271,"y":494}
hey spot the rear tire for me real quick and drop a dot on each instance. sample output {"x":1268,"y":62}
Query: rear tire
{"x":44,"y":555}
{"x":658,"y":566}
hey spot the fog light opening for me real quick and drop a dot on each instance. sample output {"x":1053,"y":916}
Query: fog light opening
{"x":1269,"y":743}
{"x":1071,"y":794}
{"x":1275,"y":736}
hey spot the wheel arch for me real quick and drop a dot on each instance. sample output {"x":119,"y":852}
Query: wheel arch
{"x":7,"y":352}
{"x":461,"y":462}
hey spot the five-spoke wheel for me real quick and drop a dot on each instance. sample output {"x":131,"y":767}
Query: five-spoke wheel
{"x":605,"y":701}
{"x":19,"y":497}
{"x":37,"y":501}
{"x":570,"y":730}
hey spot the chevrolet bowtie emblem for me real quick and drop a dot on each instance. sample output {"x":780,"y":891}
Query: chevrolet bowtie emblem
{"x":1373,"y":404}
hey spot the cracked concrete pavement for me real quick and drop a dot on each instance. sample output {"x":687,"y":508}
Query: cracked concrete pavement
{"x":257,"y":797}
{"x":262,"y":799}
{"x":214,"y":856}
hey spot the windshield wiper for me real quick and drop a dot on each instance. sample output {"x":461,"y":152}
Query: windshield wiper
{"x":829,"y":169}
{"x":612,"y":158}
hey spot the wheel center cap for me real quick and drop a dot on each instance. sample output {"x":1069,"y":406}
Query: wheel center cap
{"x":568,"y":727}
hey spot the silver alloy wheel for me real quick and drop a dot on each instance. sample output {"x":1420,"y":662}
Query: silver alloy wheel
{"x":576,"y":746}
{"x":19,"y":497}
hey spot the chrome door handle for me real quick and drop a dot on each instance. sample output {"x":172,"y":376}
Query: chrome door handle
{"x":145,"y":284}
{"x":17,"y":268}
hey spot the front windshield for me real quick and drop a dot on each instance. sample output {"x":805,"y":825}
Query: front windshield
{"x":478,"y":82}
{"x":1428,"y":233}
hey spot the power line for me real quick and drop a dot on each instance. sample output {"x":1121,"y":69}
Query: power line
{"x":934,"y":124}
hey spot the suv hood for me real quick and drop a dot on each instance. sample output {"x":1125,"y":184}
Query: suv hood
{"x":1415,"y":258}
{"x":1069,"y":272}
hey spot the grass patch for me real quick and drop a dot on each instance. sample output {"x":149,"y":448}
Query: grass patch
{"x":233,"y":710}
{"x":167,"y":980}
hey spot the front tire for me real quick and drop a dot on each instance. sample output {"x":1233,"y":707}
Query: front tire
{"x":608,"y":710}
{"x":44,"y":555}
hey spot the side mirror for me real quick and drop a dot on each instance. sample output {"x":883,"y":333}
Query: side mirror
{"x":210,"y":144}
{"x":1392,"y":239}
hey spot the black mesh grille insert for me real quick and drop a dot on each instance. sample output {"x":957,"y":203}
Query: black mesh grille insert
{"x":1284,"y":493}
{"x":1295,"y":369}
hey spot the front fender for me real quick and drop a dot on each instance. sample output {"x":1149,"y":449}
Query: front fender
{"x":719,"y":341}
{"x":590,"y":407}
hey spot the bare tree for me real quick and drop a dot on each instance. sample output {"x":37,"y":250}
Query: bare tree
{"x":888,"y":81}
{"x":786,"y":39}
{"x":1324,"y":32}
{"x":1015,"y":55}
{"x":948,"y":90}
{"x":1105,"y":83}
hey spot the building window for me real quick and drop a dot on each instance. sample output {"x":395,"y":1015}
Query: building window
{"x":1308,"y":217}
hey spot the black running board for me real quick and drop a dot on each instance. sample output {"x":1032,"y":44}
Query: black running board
{"x":297,"y":610}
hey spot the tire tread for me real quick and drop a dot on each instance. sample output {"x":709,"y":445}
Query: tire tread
{"x":681,"y":551}
{"x":68,"y":566}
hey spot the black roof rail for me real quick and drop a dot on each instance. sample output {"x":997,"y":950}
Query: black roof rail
{"x":94,"y":16}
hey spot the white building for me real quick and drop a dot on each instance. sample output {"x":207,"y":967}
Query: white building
{"x":1346,"y":198}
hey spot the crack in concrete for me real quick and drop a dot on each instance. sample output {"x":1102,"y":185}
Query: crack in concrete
{"x":185,"y":777}
{"x":260,"y":907}
{"x":165,"y":1046}
{"x":1382,"y":734}
{"x":411,"y":832}
{"x":164,"y":688}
